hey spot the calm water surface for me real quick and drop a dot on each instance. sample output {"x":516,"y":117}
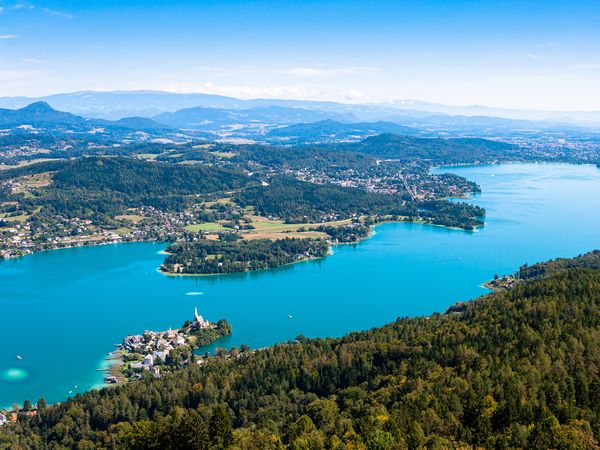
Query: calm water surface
{"x":62,"y":311}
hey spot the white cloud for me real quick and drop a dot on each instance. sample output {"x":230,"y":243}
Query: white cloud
{"x":246,"y":91}
{"x":7,"y":36}
{"x":329,"y":71}
{"x":354,"y":95}
{"x":300,"y":72}
{"x":53,"y":12}
{"x":24,"y":6}
{"x":533,"y":55}
{"x":587,"y":66}
{"x":33,"y":60}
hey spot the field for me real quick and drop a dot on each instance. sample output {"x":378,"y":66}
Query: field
{"x":148,"y":156}
{"x":287,"y":234}
{"x":208,"y":226}
{"x":222,"y":201}
{"x":262,"y":225}
{"x":135,"y":218}
{"x":27,"y":163}
{"x":122,"y":230}
{"x":223,"y":154}
{"x":32,"y":182}
{"x":19,"y":218}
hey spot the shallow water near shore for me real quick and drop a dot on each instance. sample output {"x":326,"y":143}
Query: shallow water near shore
{"x":63,"y":311}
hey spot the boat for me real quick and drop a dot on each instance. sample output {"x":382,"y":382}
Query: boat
{"x":290,"y":316}
{"x":19,"y":357}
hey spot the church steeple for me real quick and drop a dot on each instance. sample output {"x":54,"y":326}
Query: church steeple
{"x":199,"y":321}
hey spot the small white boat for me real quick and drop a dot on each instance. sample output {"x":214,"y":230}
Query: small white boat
{"x":19,"y":357}
{"x":290,"y":316}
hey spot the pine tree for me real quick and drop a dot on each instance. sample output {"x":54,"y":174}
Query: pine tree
{"x":220,"y":429}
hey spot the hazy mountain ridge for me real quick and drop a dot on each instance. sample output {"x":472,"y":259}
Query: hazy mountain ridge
{"x":119,"y":104}
{"x":40,"y":116}
{"x":207,"y":117}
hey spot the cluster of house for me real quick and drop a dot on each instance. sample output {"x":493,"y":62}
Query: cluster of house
{"x":18,"y":238}
{"x":503,"y":282}
{"x":12,"y":416}
{"x":155,"y":346}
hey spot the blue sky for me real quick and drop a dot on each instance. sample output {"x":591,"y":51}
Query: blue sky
{"x":517,"y":54}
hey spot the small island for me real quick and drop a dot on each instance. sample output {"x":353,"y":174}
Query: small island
{"x":155,"y":353}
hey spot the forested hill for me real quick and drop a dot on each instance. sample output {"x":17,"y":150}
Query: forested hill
{"x":589,"y":260}
{"x":298,"y":201}
{"x":447,"y":151}
{"x":98,"y":188}
{"x":132,"y":176}
{"x":514,"y":369}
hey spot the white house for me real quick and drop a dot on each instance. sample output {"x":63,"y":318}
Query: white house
{"x":148,"y":360}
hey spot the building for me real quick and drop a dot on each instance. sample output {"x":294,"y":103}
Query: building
{"x":148,"y":361}
{"x":199,"y":321}
{"x":3,"y":419}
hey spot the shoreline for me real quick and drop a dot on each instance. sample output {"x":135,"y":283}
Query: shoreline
{"x":164,"y":253}
{"x":330,"y":251}
{"x":91,"y":244}
{"x":171,"y":274}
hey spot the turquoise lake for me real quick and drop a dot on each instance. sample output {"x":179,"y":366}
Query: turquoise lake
{"x":64,"y":310}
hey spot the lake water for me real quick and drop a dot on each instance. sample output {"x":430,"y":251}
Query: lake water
{"x":64,"y":310}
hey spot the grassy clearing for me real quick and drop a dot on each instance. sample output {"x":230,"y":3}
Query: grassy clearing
{"x":288,"y":234}
{"x":262,"y":224}
{"x":208,"y":226}
{"x":19,"y":218}
{"x":221,"y":201}
{"x":135,"y":218}
{"x":226,"y":155}
{"x":148,"y":156}
{"x":203,"y":146}
{"x":27,"y":163}
{"x":189,"y":162}
{"x":33,"y":182}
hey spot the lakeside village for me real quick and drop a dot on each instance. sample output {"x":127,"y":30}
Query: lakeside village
{"x":504,"y":282}
{"x":155,"y":353}
{"x":150,"y":354}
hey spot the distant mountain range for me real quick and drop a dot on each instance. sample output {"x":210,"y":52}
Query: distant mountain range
{"x":216,"y":118}
{"x":41,"y":117}
{"x":120,"y":104}
{"x":283,"y":125}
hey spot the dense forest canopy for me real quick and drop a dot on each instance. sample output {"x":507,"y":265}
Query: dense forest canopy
{"x":512,"y":369}
{"x":101,"y":187}
{"x":206,"y":257}
{"x":589,"y":260}
{"x":134,"y":177}
{"x":436,"y":150}
{"x":297,"y":202}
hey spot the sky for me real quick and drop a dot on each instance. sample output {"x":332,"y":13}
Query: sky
{"x":512,"y":54}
